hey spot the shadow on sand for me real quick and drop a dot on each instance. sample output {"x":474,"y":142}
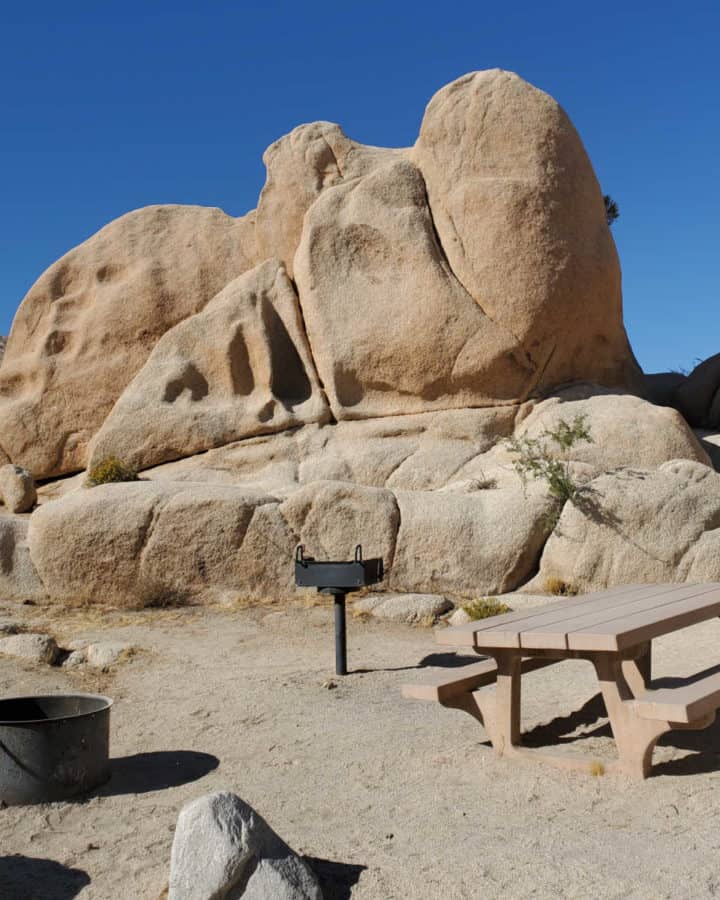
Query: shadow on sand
{"x":146,"y":772}
{"x":703,"y":746}
{"x":32,"y":878}
{"x":336,"y":879}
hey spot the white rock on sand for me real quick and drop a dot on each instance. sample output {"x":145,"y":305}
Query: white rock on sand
{"x":224,"y":850}
{"x":40,"y":648}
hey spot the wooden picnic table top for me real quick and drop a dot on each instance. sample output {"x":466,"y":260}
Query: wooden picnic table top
{"x":610,"y":620}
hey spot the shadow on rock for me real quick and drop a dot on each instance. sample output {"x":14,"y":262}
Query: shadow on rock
{"x":336,"y":879}
{"x":31,"y":878}
{"x":146,"y":772}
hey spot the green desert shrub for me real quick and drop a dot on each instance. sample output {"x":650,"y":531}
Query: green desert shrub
{"x":484,"y":607}
{"x":612,"y":210}
{"x":547,"y":458}
{"x":110,"y":470}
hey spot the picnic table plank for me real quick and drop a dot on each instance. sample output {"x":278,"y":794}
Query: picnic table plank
{"x":512,"y":623}
{"x":628,"y":631}
{"x":557,"y":635}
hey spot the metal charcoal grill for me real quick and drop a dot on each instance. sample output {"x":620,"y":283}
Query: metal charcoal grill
{"x":338,"y":579}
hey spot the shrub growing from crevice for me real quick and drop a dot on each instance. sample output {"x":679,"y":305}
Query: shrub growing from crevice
{"x":547,"y":458}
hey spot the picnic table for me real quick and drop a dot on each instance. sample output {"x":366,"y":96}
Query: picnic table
{"x":613,"y":630}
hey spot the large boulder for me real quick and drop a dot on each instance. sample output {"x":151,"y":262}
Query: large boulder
{"x":636,"y":526}
{"x":300,"y":166}
{"x":484,"y":541}
{"x":147,"y":543}
{"x":19,"y":579}
{"x":240,"y":367}
{"x":90,"y":321}
{"x":520,"y":215}
{"x":224,"y":850}
{"x":332,"y":518}
{"x":625,"y":430}
{"x":698,"y":396}
{"x":17,"y":489}
{"x":392,"y":330}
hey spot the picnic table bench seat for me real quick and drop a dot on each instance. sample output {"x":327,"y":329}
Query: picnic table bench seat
{"x":452,"y":683}
{"x":692,"y":700}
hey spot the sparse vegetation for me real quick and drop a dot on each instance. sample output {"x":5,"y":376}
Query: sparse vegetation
{"x":597,"y":768}
{"x":559,"y":587}
{"x":612,"y":211}
{"x":547,"y":459}
{"x":484,"y":607}
{"x":111,"y":470}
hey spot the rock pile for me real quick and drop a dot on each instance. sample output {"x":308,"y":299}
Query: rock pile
{"x":337,"y":366}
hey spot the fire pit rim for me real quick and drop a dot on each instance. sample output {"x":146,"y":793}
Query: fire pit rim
{"x":106,"y":703}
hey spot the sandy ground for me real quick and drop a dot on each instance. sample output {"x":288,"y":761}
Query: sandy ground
{"x":386,"y":798}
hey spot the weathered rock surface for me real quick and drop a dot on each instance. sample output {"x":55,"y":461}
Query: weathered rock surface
{"x":240,"y":367}
{"x":19,"y":579}
{"x":626,"y":430}
{"x":332,"y":517}
{"x":224,"y":850}
{"x":39,"y":648}
{"x":408,"y":608}
{"x":660,"y":387}
{"x":141,"y":544}
{"x":392,"y":329}
{"x":521,"y":218}
{"x":17,"y":489}
{"x":486,"y":542}
{"x":639,"y":525}
{"x":90,"y":321}
{"x":698,"y":396}
{"x":300,"y":166}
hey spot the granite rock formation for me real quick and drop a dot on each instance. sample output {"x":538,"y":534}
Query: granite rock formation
{"x":343,"y":365}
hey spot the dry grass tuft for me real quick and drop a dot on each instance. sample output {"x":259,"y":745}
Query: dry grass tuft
{"x":559,"y":587}
{"x":597,"y":768}
{"x":484,"y":607}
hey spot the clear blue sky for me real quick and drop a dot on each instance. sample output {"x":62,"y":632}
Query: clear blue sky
{"x":108,"y":106}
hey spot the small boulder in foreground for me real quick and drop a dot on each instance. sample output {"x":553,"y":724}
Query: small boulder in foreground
{"x":39,"y":648}
{"x":223,"y":849}
{"x":17,"y":489}
{"x":408,"y":608}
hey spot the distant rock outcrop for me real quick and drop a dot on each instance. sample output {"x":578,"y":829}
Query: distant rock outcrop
{"x":3,"y":344}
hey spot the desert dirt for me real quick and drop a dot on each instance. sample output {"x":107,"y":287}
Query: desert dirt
{"x":386,"y":798}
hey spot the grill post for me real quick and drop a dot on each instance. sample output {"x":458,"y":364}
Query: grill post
{"x":340,"y":635}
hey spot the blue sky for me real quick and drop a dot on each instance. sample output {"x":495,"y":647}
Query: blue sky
{"x":105,"y":107}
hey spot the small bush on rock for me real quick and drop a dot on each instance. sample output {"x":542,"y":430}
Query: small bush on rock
{"x":537,"y":458}
{"x":111,"y":470}
{"x":484,"y":607}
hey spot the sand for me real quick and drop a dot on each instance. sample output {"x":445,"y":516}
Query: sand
{"x":387,"y":798}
